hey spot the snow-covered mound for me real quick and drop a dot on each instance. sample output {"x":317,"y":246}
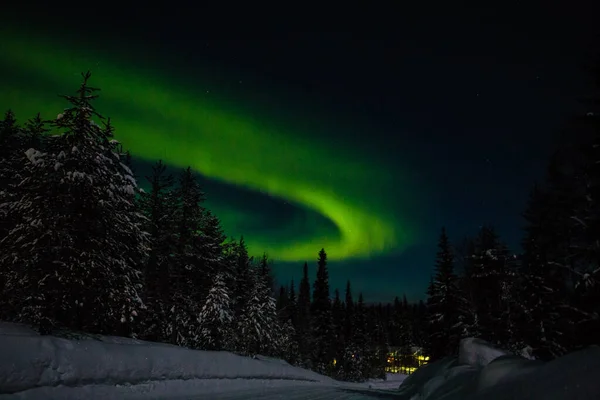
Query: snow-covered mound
{"x":482,"y":372}
{"x":29,"y":361}
{"x":89,"y":367}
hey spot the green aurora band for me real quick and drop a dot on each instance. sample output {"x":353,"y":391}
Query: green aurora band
{"x":156,"y":119}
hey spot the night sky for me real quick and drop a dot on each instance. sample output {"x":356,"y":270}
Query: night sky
{"x":365,"y":140}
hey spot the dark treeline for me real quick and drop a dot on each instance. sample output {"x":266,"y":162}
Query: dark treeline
{"x":83,"y":249}
{"x":546,"y":300}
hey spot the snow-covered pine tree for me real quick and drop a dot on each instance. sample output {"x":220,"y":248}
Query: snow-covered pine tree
{"x":321,"y":317}
{"x":216,"y":318}
{"x":288,"y":346}
{"x":157,"y":205}
{"x":258,"y":328}
{"x":189,"y":279}
{"x":14,"y":140}
{"x":9,"y":172}
{"x":10,"y":145}
{"x":34,"y":133}
{"x":489,"y":278}
{"x":75,"y":253}
{"x":242,"y":277}
{"x":293,"y":307}
{"x":443,"y":303}
{"x":212,"y":250}
{"x":265,"y":267}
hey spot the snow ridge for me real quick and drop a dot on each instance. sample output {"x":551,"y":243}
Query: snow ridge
{"x":44,"y":361}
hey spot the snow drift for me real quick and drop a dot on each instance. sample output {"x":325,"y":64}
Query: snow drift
{"x":482,"y":372}
{"x":31,"y":361}
{"x":99,"y":367}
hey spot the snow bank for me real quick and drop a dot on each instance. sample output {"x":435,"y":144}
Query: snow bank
{"x":481,"y":372}
{"x":91,"y":367}
{"x":29,"y":362}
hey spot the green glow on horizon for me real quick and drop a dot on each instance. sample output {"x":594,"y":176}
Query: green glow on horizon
{"x":155,"y":118}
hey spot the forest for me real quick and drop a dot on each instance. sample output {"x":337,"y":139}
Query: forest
{"x":84,"y":249}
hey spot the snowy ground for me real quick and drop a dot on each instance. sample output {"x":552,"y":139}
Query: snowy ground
{"x":93,"y":367}
{"x":392,"y":381}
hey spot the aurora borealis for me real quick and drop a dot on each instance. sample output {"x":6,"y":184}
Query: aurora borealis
{"x":368,"y":174}
{"x":222,"y":143}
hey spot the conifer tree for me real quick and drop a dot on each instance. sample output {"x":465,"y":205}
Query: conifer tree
{"x":321,"y":316}
{"x":349,"y":315}
{"x":403,"y":327}
{"x":10,"y":147}
{"x":282,"y":304}
{"x":190,"y":275}
{"x":361,"y":339}
{"x":9,"y":172}
{"x":266,"y":270}
{"x":303,"y":325}
{"x":157,"y":205}
{"x":211,"y":252}
{"x":293,"y":305}
{"x":443,"y":303}
{"x":216,"y":317}
{"x":258,"y":327}
{"x":34,"y":133}
{"x":287,"y":344}
{"x":337,"y":320}
{"x":490,"y":274}
{"x":75,"y":251}
{"x":242,"y":274}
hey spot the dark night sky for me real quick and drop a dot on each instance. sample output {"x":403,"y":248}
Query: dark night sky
{"x":422,"y":118}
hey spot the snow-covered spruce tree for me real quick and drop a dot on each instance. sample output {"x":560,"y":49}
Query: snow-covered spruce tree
{"x":287,"y":346}
{"x":75,"y":253}
{"x":443,"y":303}
{"x":211,"y":246}
{"x":491,"y":276}
{"x":292,"y":306}
{"x":321,"y":317}
{"x":258,"y":331}
{"x":265,"y":268}
{"x":10,"y":155}
{"x":200,"y":236}
{"x":157,"y":205}
{"x":14,"y":141}
{"x":9,"y":172}
{"x":242,"y":276}
{"x":188,"y":276}
{"x":216,"y":318}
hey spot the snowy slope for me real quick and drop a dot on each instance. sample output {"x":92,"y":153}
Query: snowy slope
{"x":94,"y":367}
